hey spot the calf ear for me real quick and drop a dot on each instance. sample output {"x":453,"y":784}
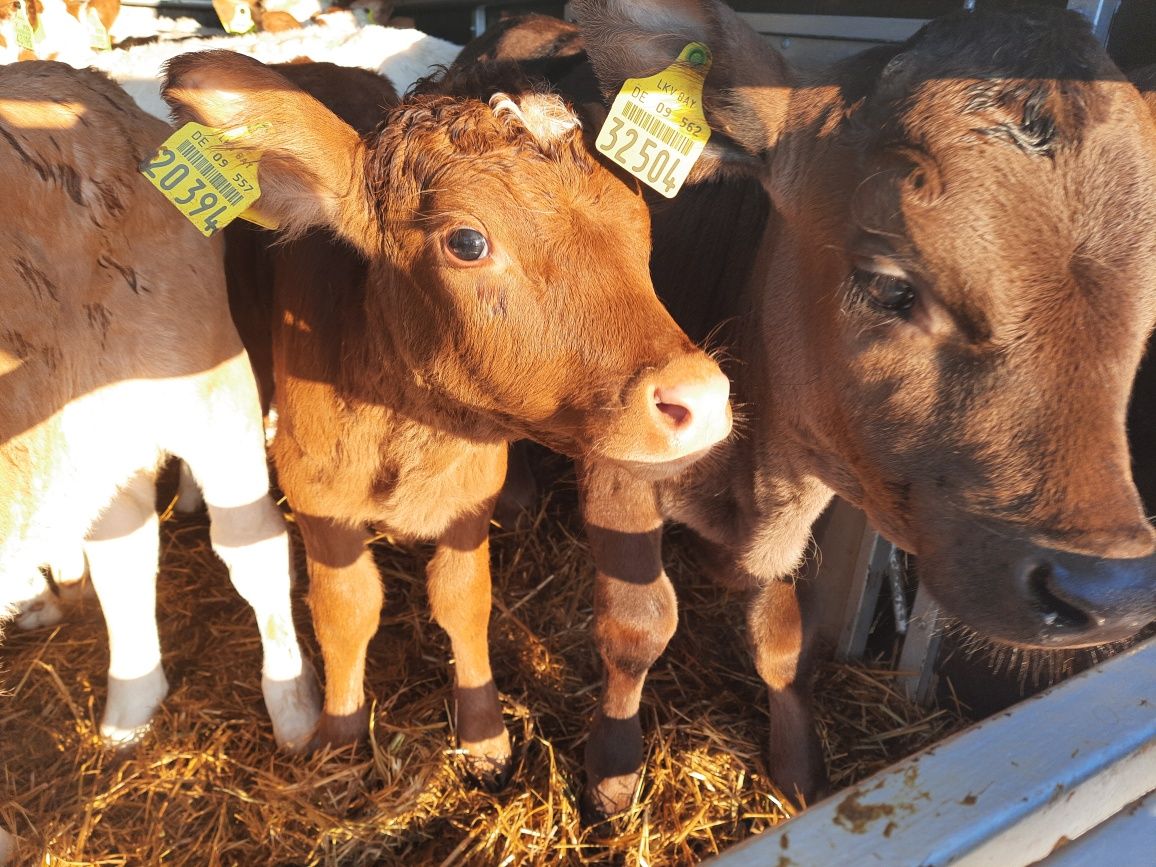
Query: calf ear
{"x":747,"y":88}
{"x":312,"y":163}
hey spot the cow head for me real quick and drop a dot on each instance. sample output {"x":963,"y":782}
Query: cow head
{"x":955,"y":294}
{"x":507,"y":268}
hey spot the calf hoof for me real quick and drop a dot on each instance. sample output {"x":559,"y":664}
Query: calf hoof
{"x":37,"y":613}
{"x":294,"y":708}
{"x":9,"y":848}
{"x":798,"y":770}
{"x":335,"y":730}
{"x":614,"y":756}
{"x":609,"y":796}
{"x":485,"y":743}
{"x":488,"y":762}
{"x":131,"y":705}
{"x":190,"y":500}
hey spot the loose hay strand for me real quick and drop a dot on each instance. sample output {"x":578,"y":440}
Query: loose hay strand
{"x":206,"y":785}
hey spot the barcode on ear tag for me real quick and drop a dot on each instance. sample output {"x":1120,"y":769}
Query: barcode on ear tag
{"x":656,"y":128}
{"x":209,"y":181}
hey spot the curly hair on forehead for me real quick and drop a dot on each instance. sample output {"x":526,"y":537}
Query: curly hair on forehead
{"x":486,"y":132}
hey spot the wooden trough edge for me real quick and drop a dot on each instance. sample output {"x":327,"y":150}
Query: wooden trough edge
{"x":1011,"y":790}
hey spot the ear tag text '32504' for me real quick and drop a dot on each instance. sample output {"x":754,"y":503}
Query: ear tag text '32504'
{"x":209,"y":181}
{"x":656,"y":128}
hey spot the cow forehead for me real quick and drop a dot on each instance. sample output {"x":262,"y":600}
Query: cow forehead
{"x":1009,"y":157}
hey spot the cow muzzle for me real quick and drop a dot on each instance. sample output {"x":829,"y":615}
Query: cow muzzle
{"x":1086,"y":600}
{"x":1028,"y":595}
{"x":672,"y":417}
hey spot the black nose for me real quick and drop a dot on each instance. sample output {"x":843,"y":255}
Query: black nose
{"x":1087,"y":597}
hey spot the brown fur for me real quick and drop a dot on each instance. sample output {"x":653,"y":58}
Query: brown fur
{"x":401,"y":374}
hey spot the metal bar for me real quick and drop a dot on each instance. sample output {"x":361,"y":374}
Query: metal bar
{"x":1099,"y":12}
{"x":850,"y":27}
{"x":921,"y":649}
{"x":1006,"y":792}
{"x":867,"y":581}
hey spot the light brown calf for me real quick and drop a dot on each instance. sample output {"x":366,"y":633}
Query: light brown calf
{"x":477,"y":277}
{"x":943,"y":324}
{"x":116,"y":348}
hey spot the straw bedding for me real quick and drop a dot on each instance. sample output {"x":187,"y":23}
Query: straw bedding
{"x":207,"y":787}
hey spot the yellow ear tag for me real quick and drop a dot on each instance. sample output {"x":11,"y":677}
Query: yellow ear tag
{"x":656,"y":128}
{"x":25,"y":37}
{"x":98,"y":38}
{"x":259,"y":218}
{"x":240,"y":22}
{"x":208,"y":180}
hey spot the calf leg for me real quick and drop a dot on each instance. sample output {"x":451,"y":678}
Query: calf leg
{"x":44,"y":605}
{"x":635,"y":615}
{"x":224,"y":448}
{"x":780,"y":642}
{"x":122,"y":552}
{"x":460,"y":596}
{"x":345,"y":596}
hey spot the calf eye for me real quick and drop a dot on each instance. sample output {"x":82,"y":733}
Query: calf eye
{"x":469,"y":245}
{"x":885,"y":292}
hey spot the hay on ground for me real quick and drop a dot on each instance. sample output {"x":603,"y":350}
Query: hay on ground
{"x":206,"y":785}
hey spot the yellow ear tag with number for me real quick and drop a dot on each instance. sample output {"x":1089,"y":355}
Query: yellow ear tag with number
{"x":208,"y":180}
{"x":26,"y":38}
{"x":656,"y":128}
{"x":98,"y":37}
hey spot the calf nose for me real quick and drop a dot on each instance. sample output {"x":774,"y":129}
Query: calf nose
{"x":692,"y":407}
{"x":1089,"y":598}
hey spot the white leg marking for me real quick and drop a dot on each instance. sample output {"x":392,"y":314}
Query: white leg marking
{"x":227,"y":454}
{"x":122,"y":551}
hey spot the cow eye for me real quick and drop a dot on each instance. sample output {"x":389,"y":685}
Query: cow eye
{"x":886,"y":292}
{"x":469,"y":245}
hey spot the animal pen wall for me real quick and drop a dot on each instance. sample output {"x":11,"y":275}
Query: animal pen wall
{"x":1065,"y":777}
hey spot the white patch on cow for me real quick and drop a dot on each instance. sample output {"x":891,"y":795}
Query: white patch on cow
{"x":301,"y":10}
{"x":401,"y":55}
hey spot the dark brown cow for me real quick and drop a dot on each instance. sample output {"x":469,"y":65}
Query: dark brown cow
{"x":943,"y":325}
{"x":483,"y":278}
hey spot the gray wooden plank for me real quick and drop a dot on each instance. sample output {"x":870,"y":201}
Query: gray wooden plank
{"x":1004,"y":792}
{"x":1128,"y":838}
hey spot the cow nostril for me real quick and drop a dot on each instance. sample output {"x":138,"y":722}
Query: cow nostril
{"x":1057,"y":611}
{"x":676,"y":412}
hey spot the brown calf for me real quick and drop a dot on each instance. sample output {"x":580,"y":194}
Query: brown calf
{"x":943,"y":325}
{"x":482,"y":279}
